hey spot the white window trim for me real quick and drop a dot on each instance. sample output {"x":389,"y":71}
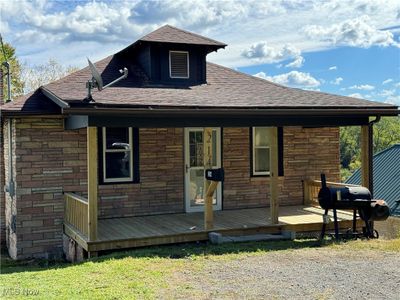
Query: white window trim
{"x":170,"y":71}
{"x":105,"y":150}
{"x":253,"y":146}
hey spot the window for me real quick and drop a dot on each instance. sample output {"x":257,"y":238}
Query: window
{"x":260,"y":151}
{"x":118,"y":157}
{"x":179,"y":64}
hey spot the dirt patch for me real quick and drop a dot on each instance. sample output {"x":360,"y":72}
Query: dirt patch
{"x":299,"y":274}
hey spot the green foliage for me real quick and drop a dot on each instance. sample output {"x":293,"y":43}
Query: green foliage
{"x":349,"y":145}
{"x":386,"y":134}
{"x":17,"y":86}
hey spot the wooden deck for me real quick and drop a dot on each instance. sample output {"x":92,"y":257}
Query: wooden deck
{"x":118,"y":233}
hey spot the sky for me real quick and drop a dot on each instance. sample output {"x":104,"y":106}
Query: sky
{"x":350,"y":48}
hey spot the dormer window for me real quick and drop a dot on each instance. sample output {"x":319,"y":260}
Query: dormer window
{"x":179,"y":64}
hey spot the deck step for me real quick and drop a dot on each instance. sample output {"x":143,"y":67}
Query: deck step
{"x":218,"y":238}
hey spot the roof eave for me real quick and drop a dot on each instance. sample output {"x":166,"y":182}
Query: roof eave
{"x":149,"y":110}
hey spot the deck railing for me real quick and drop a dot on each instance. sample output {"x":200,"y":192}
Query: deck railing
{"x":312,"y":187}
{"x":76,"y":212}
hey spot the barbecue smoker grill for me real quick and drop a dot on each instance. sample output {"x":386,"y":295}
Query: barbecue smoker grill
{"x":357,"y":199}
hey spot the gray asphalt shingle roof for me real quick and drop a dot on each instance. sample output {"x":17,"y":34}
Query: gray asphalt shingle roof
{"x":170,"y":34}
{"x":386,"y":175}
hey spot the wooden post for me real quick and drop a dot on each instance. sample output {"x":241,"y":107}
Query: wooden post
{"x":306,"y":193}
{"x":207,"y":161}
{"x":92,"y":182}
{"x":365,"y":156}
{"x":273,"y":179}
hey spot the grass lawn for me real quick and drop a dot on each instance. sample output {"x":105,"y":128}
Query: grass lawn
{"x":143,"y":273}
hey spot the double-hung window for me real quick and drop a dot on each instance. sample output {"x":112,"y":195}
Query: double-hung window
{"x":260,"y":151}
{"x":117,"y":162}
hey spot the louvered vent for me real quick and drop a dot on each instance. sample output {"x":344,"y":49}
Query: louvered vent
{"x":179,"y":64}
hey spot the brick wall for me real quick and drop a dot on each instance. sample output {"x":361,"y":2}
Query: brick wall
{"x":161,"y":176}
{"x":50,"y":161}
{"x":307,"y":153}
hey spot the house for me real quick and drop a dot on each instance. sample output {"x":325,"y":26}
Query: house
{"x":127,"y":169}
{"x":386,"y":174}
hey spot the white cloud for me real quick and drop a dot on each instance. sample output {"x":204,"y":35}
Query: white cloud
{"x":261,"y":75}
{"x":90,"y":21}
{"x":110,"y":21}
{"x":332,"y":68}
{"x":387,"y":93}
{"x":337,"y":81}
{"x":389,"y":80}
{"x":265,"y":53}
{"x":297,"y":63}
{"x":356,"y":95}
{"x":393,"y":99}
{"x":40,"y":29}
{"x":364,"y":87}
{"x":356,"y":32}
{"x":293,"y":79}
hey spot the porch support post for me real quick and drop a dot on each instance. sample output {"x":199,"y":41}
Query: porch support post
{"x":92,"y":182}
{"x":207,"y":161}
{"x":366,"y":156}
{"x":273,"y":179}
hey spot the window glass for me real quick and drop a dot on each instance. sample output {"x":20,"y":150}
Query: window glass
{"x":261,"y":136}
{"x":261,"y":158}
{"x":214,"y":148}
{"x":117,"y":138}
{"x":117,"y":155}
{"x":261,"y":151}
{"x":118,"y":165}
{"x":196,"y":148}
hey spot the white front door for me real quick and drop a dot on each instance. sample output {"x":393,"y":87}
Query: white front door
{"x":194,"y":168}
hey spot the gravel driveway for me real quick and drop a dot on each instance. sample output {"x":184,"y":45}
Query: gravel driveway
{"x":297,"y":274}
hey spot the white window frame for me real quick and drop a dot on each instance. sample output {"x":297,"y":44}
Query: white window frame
{"x":170,"y":71}
{"x":253,"y":130}
{"x":105,"y":150}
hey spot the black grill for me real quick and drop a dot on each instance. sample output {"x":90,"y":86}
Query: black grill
{"x":356,"y":198}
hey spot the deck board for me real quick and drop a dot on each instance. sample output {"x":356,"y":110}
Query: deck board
{"x":116,"y":233}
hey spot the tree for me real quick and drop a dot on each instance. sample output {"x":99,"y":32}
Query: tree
{"x":386,"y":134}
{"x":38,"y":75}
{"x":17,"y":85}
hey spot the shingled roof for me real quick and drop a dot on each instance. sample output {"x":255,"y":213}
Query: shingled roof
{"x":225,"y":88}
{"x":170,"y":34}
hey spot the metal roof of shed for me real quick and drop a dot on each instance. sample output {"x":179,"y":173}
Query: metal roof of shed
{"x":386,"y":175}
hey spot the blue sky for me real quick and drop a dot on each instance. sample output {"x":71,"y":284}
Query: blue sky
{"x":337,"y":46}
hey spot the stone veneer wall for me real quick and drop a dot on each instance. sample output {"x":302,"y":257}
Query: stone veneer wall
{"x":10,"y":208}
{"x":307,"y":153}
{"x":50,"y":161}
{"x":2,"y":183}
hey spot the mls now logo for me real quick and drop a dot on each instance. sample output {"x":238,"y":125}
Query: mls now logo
{"x":18,"y":292}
